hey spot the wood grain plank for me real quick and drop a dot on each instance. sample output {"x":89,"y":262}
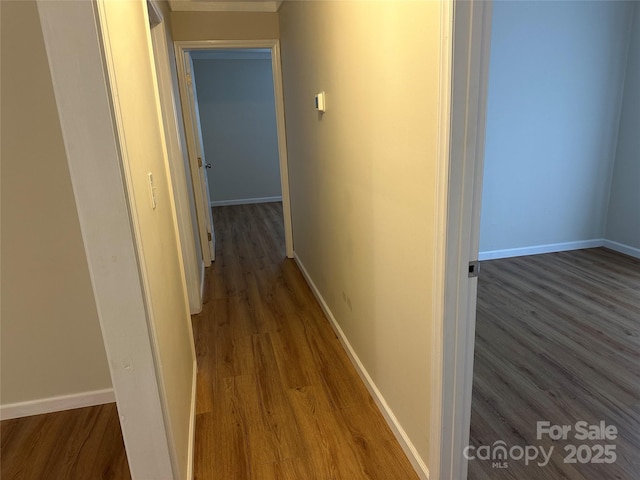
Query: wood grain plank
{"x":558,"y":339}
{"x":74,"y":444}
{"x":293,"y":405}
{"x":277,"y":397}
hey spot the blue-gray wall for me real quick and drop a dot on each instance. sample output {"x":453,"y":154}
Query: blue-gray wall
{"x":237,"y":115}
{"x":623,"y":224}
{"x":555,"y":92}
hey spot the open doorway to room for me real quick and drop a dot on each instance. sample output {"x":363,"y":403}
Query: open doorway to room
{"x":557,"y":349}
{"x":235,"y":123}
{"x":238,"y":119}
{"x":237,"y":115}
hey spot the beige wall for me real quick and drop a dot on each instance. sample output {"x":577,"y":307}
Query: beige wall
{"x":51,"y":339}
{"x":224,"y":26}
{"x":363,"y":181}
{"x":141,"y":138}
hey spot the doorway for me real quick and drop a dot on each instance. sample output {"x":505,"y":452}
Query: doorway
{"x":238,"y":173}
{"x":557,"y":314}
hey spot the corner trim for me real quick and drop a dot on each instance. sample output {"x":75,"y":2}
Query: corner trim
{"x":622,"y":248}
{"x":57,"y":404}
{"x":245,"y":201}
{"x":402,"y":437}
{"x":538,"y":249}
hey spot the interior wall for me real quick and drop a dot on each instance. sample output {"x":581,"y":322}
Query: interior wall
{"x":555,"y":90}
{"x":183,"y":192}
{"x":224,"y":25}
{"x":623,"y":223}
{"x":239,"y":131}
{"x":140,"y":133}
{"x":51,"y":343}
{"x":363,"y":182}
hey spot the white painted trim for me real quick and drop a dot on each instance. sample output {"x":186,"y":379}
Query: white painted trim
{"x":278,"y":89}
{"x":438,"y":426}
{"x":182,"y":47}
{"x":192,"y":422}
{"x":225,"y":6}
{"x":249,"y":54}
{"x":402,"y":437}
{"x":202,"y":275}
{"x":245,"y":201}
{"x":193,"y":151}
{"x":464,"y":72}
{"x":622,"y":248}
{"x":539,"y":249}
{"x":57,"y":404}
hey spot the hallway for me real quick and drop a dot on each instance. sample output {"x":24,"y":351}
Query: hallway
{"x":277,"y":394}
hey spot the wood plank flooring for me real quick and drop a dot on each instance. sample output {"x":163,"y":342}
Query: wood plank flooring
{"x":558,"y":339}
{"x":80,"y":444}
{"x":277,"y":396}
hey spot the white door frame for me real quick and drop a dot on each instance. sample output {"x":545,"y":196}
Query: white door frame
{"x":464,"y":106}
{"x":196,"y":155}
{"x":182,"y":189}
{"x":182,"y":51}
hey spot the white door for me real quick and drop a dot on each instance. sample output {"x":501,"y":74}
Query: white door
{"x":205,"y":220}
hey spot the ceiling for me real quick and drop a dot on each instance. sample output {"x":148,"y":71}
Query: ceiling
{"x":225,"y":5}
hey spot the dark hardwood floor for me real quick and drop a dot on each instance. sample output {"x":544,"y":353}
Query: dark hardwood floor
{"x":558,"y":340}
{"x":80,"y":444}
{"x":277,"y":396}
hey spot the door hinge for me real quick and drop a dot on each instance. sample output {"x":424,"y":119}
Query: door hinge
{"x":474,"y":268}
{"x":189,"y":78}
{"x":209,"y":235}
{"x":199,"y":161}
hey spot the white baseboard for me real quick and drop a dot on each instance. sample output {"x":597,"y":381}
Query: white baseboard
{"x":402,"y":437}
{"x":245,"y":201}
{"x":538,"y":249}
{"x":622,"y":248}
{"x":57,"y":404}
{"x":192,"y":423}
{"x":198,"y":308}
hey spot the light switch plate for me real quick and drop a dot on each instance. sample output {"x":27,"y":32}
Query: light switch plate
{"x":320,"y":102}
